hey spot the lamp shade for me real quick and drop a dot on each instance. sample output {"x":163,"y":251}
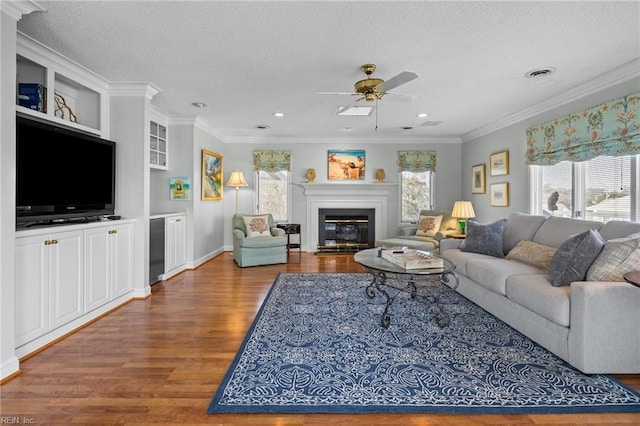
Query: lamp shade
{"x":237,"y":179}
{"x":463,"y":210}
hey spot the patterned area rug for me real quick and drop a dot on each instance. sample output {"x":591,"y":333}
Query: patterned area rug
{"x":317,"y":346}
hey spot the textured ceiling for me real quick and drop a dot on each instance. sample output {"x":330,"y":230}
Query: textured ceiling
{"x":246,"y":60}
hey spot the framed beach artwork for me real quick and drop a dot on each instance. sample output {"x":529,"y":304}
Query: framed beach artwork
{"x":499,"y":163}
{"x":478,"y":179}
{"x":345,"y":164}
{"x":499,"y":194}
{"x":180,"y":188}
{"x":211,"y":176}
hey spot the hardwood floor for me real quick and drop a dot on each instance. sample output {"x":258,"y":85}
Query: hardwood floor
{"x":160,"y":360}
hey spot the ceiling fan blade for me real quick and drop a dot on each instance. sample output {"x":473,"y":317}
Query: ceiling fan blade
{"x":400,"y":79}
{"x":350,"y":105}
{"x":336,"y":93}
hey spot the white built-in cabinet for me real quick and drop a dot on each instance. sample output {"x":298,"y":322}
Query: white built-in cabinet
{"x":108,"y":272}
{"x":49,"y":282}
{"x":158,"y":146}
{"x":67,"y":276}
{"x":175,"y":256}
{"x":72,"y":97}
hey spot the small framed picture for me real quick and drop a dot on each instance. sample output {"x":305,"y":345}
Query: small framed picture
{"x":345,"y":165}
{"x":499,"y":194}
{"x":478,"y":179}
{"x":499,"y":163}
{"x":180,"y":188}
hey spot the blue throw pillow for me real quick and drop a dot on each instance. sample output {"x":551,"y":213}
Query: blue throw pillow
{"x":574,"y":257}
{"x":485,"y":239}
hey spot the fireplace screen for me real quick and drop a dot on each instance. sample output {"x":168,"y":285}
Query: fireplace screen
{"x":346,"y":230}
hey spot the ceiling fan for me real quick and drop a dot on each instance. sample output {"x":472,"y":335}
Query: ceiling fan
{"x":372,"y":89}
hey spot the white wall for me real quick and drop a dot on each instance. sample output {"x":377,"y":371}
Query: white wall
{"x":310,"y":155}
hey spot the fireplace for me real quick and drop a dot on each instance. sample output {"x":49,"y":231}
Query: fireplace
{"x":345,"y":230}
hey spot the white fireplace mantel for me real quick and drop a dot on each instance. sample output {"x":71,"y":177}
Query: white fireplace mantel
{"x":345,"y":195}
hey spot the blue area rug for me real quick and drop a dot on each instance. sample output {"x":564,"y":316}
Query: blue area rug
{"x":316,"y":346}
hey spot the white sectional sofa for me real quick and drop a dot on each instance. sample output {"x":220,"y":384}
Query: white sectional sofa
{"x":593,"y":325}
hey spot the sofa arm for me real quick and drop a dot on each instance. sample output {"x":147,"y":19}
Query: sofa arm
{"x":238,"y":234}
{"x":277,"y":232}
{"x":450,"y":243}
{"x":441,"y":235}
{"x":604,"y":334}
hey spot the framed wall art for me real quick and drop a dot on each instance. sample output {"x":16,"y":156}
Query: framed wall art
{"x":211,"y":176}
{"x":478,"y":179}
{"x":499,"y":163}
{"x":345,"y":165}
{"x":499,"y":194}
{"x":180,"y":188}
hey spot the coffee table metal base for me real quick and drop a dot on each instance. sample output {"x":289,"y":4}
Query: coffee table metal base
{"x":380,"y":284}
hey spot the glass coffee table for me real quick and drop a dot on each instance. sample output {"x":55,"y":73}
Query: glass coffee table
{"x":391,"y":280}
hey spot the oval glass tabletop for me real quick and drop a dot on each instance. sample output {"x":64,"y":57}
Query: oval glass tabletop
{"x":369,"y":259}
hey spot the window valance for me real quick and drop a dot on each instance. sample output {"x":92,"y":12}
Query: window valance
{"x":417,"y":161}
{"x":609,"y":129}
{"x":272,"y":161}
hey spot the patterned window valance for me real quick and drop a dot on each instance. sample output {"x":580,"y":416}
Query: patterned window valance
{"x":609,"y":129}
{"x":417,"y":161}
{"x":272,"y":161}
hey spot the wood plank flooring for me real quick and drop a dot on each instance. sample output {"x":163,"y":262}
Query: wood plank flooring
{"x":160,"y":360}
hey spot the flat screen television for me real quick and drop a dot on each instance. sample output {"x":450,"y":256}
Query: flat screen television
{"x":62,"y":174}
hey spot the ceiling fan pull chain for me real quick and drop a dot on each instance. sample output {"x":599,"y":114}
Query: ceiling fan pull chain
{"x":376,"y":114}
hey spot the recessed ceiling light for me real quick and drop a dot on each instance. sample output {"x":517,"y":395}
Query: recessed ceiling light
{"x":278,"y":114}
{"x":261,"y":126}
{"x":354,"y":110}
{"x":347,"y":129}
{"x":198,"y":104}
{"x":422,"y":115}
{"x":540,"y":72}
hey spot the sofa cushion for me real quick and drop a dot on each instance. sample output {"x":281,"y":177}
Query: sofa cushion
{"x":536,"y":294}
{"x":619,"y":229}
{"x":520,"y":226}
{"x":556,"y":230}
{"x":485,"y":238}
{"x":257,"y":226}
{"x":618,"y":256}
{"x":428,"y":226}
{"x":492,"y":273}
{"x":411,"y":241}
{"x":533,"y":254}
{"x":574,"y":257}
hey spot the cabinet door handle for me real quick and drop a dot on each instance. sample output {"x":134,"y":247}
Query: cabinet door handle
{"x":47,"y":242}
{"x":113,"y":231}
{"x":178,"y":220}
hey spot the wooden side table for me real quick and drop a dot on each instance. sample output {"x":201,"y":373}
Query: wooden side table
{"x":632,"y":277}
{"x":291,"y":229}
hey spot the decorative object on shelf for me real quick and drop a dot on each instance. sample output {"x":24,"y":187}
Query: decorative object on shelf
{"x":463,"y":210}
{"x":346,"y":165}
{"x":180,"y":188}
{"x":478,"y":179}
{"x":311,"y":175}
{"x":499,"y":163}
{"x":237,"y":179}
{"x":64,"y":107}
{"x":32,"y":96}
{"x":211,"y":176}
{"x":380,"y":175}
{"x":499,"y":194}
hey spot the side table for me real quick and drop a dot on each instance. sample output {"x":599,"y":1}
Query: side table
{"x":291,"y":229}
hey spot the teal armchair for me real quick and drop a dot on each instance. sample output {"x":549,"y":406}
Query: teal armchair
{"x":257,"y":240}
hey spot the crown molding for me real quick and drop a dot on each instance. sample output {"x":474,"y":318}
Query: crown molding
{"x":363,"y":139}
{"x":134,"y":89}
{"x":616,"y":76}
{"x":17,"y":9}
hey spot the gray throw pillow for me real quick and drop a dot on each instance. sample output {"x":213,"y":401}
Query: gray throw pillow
{"x":485,"y":239}
{"x":574,"y":257}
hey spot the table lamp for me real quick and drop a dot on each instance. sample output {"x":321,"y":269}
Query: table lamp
{"x":237,"y":179}
{"x":463,"y":210}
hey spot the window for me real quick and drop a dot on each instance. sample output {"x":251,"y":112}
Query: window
{"x":416,"y":193}
{"x":602,"y":189}
{"x":273,"y":194}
